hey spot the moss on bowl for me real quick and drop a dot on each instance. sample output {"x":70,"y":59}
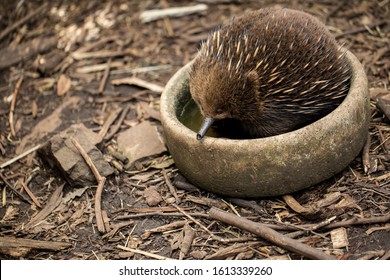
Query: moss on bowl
{"x":267,"y":166}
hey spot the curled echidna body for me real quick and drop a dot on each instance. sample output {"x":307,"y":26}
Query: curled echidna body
{"x":269,"y":72}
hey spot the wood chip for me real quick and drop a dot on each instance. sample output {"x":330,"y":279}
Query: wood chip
{"x":63,"y":85}
{"x":339,"y":238}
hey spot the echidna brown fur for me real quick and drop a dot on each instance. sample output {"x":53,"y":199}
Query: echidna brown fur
{"x":272,"y":70}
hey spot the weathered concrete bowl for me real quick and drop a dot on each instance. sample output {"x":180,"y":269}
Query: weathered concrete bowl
{"x":267,"y":166}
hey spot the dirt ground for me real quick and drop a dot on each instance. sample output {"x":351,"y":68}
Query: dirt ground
{"x":64,"y":63}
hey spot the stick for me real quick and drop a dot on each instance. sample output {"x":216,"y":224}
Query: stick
{"x":114,"y":129}
{"x":22,"y":21}
{"x":152,"y":15}
{"x":11,"y":242}
{"x":101,"y":180}
{"x":13,"y":104}
{"x":312,"y":228}
{"x":31,"y":195}
{"x":5,"y":164}
{"x":151,"y":255}
{"x":170,"y":186}
{"x":199,"y":224}
{"x":14,"y":190}
{"x":105,"y":77}
{"x":366,"y":155}
{"x":269,"y":235}
{"x":359,"y":221}
{"x":139,"y":83}
{"x":112,"y":116}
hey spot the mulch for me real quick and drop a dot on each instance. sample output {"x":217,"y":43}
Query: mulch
{"x":97,"y":63}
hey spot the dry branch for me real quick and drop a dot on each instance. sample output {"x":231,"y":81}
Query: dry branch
{"x":269,"y":235}
{"x":101,"y":180}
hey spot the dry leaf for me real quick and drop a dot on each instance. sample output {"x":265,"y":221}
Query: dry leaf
{"x":63,"y":85}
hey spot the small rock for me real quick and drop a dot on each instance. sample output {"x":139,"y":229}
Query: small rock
{"x":60,"y":152}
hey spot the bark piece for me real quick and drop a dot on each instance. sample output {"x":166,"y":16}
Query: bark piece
{"x":140,"y":141}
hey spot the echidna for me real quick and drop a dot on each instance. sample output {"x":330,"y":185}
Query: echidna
{"x":269,"y":72}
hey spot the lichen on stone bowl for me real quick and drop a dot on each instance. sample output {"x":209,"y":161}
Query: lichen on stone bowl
{"x":273,"y":165}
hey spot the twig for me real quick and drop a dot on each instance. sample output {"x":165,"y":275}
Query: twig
{"x":101,"y":180}
{"x":112,"y":116}
{"x":360,"y":29}
{"x":114,"y":129}
{"x":366,"y":154}
{"x":312,"y":228}
{"x":152,"y":214}
{"x":105,"y":77}
{"x":170,"y":186}
{"x":14,"y":190}
{"x":359,"y":221}
{"x":152,"y":15}
{"x":139,"y":83}
{"x":269,"y":235}
{"x":13,"y":104}
{"x":11,"y":161}
{"x":102,"y":53}
{"x":200,"y":225}
{"x":150,"y":255}
{"x":22,"y":21}
{"x":145,"y":69}
{"x":31,"y":195}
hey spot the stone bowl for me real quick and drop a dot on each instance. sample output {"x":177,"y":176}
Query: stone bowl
{"x":268,"y":166}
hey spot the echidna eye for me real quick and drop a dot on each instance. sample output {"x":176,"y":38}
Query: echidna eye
{"x":219,"y":111}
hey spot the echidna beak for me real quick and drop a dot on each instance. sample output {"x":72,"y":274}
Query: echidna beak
{"x":207,"y":122}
